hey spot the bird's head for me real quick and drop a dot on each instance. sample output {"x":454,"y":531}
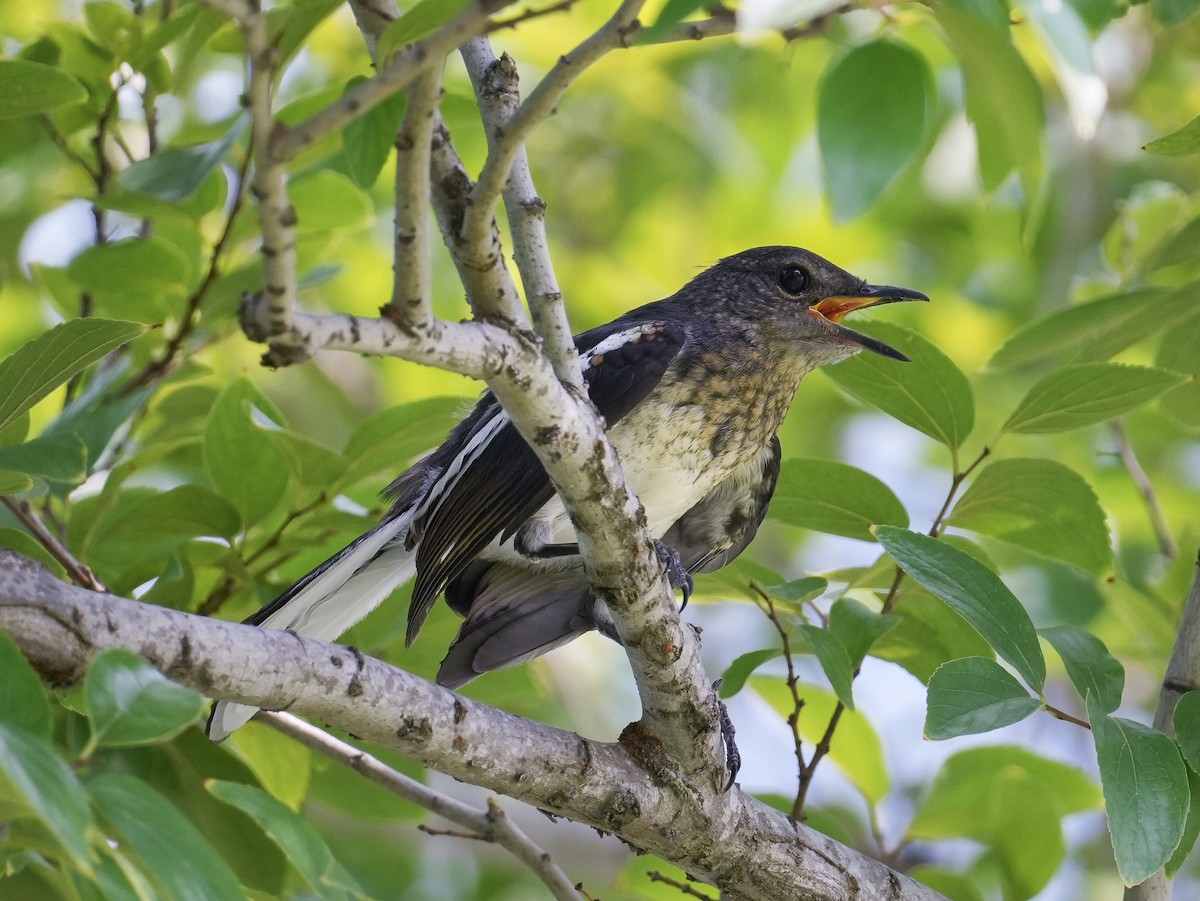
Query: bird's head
{"x":799,"y":297}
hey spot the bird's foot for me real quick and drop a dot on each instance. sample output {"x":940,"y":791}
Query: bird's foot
{"x":677,"y":572}
{"x":733,"y":758}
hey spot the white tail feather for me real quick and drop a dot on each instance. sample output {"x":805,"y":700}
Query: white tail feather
{"x":337,"y":599}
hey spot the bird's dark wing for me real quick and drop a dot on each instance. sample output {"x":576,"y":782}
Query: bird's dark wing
{"x":490,"y":481}
{"x":724,"y":522}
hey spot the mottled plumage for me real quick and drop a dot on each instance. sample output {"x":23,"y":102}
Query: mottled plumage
{"x":693,"y":389}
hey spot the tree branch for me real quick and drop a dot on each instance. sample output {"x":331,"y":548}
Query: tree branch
{"x":728,"y":838}
{"x":496,"y":87}
{"x":412,"y":297}
{"x":1158,"y":520}
{"x":493,"y":825}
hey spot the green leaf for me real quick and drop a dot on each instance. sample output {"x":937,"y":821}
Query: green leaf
{"x":1098,"y":329}
{"x":23,"y":703}
{"x":145,"y":525}
{"x":858,"y":628}
{"x":1012,"y":801}
{"x":390,"y":440}
{"x":426,"y":17}
{"x":1077,"y":396}
{"x":60,"y":458}
{"x":975,"y":593}
{"x":369,"y":139}
{"x":13,"y":482}
{"x":135,"y":265}
{"x":1191,"y":830}
{"x":855,"y":108}
{"x":930,"y":394}
{"x":34,"y":778}
{"x":956,"y":805}
{"x":1040,"y":505}
{"x":856,"y":749}
{"x":927,"y":635}
{"x":1004,"y":100}
{"x":833,"y":497}
{"x":175,"y":174}
{"x":326,"y":201}
{"x":131,"y":703}
{"x":1173,"y":12}
{"x":1187,"y":727}
{"x":1145,"y":792}
{"x":295,"y":836}
{"x":180,"y":858}
{"x":798,"y":592}
{"x":834,"y":660}
{"x":673,"y":12}
{"x":734,"y":678}
{"x":311,"y":463}
{"x":282,"y":766}
{"x":1091,"y":668}
{"x":1182,"y":141}
{"x":241,"y":458}
{"x":974,"y":695}
{"x":27,"y":88}
{"x":1180,"y":352}
{"x":41,"y":365}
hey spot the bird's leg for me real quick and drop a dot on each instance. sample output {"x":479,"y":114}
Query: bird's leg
{"x":677,"y":572}
{"x":733,"y":758}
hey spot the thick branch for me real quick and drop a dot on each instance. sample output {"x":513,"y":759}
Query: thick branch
{"x":728,"y":838}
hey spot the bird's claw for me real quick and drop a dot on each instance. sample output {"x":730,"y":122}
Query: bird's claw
{"x":733,"y":758}
{"x":677,"y":573}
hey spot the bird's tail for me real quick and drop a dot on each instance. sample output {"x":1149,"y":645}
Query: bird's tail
{"x":331,"y":599}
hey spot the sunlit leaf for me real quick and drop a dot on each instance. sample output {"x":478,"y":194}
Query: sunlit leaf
{"x":1077,"y":396}
{"x":855,"y":107}
{"x":41,"y":365}
{"x":974,"y":695}
{"x":827,"y":496}
{"x":369,"y":139}
{"x":1182,"y":141}
{"x":241,"y":458}
{"x":422,"y":19}
{"x":136,"y":265}
{"x":673,"y":12}
{"x":856,"y":749}
{"x":930,"y":394}
{"x":975,"y":593}
{"x":1040,"y":505}
{"x":27,"y":88}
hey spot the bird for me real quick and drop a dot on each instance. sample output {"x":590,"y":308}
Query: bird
{"x":692,"y":389}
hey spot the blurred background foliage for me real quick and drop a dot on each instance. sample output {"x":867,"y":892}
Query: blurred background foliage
{"x":990,"y":157}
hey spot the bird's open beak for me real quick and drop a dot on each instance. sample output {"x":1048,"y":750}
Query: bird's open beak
{"x":832,"y":309}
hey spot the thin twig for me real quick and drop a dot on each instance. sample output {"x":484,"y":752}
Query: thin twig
{"x":686,"y":889}
{"x":496,"y":88}
{"x":80,"y":574}
{"x":793,"y":718}
{"x":157,"y":368}
{"x":394,"y":76}
{"x":723,"y":22}
{"x":526,"y":15}
{"x":64,"y":145}
{"x":1065,"y":717}
{"x":493,"y":824}
{"x":1158,"y":520}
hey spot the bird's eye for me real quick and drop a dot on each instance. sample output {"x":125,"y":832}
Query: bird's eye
{"x":794,"y":280}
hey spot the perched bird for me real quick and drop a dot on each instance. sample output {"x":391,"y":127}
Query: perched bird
{"x":692,"y":389}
